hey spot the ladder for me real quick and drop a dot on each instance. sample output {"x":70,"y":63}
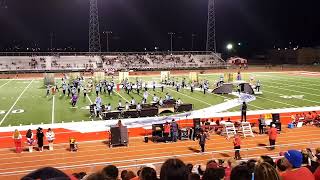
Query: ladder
{"x":229,"y":130}
{"x":246,"y":129}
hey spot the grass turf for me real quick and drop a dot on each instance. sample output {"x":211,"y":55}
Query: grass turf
{"x":279,"y":91}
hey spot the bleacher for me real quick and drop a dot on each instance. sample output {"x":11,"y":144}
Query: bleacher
{"x":118,"y":61}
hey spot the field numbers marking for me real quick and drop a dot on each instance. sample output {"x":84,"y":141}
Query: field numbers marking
{"x":15,"y":102}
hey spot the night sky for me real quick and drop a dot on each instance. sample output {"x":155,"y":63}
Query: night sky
{"x":139,"y":24}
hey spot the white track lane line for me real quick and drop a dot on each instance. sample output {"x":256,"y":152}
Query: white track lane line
{"x":15,"y":102}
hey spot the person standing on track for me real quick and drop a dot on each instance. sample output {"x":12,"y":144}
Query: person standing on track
{"x":272,"y":136}
{"x":50,"y":137}
{"x":17,"y":140}
{"x":236,"y":144}
{"x":202,"y":140}
{"x":40,"y":136}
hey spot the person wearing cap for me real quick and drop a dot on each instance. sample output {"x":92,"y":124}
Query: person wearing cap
{"x":272,"y":136}
{"x":294,"y":171}
{"x":317,"y":171}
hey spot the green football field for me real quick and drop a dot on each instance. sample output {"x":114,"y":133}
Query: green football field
{"x":25,"y":101}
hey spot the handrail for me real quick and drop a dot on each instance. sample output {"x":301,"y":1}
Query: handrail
{"x":154,"y":158}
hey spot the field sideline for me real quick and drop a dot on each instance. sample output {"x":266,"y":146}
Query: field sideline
{"x":24,"y":101}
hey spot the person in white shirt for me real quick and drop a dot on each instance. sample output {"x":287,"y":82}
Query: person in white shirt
{"x":133,"y":101}
{"x":179,"y":102}
{"x":145,"y":96}
{"x":167,"y":97}
{"x":155,"y":98}
{"x":127,"y":106}
{"x":161,"y":102}
{"x":109,"y":107}
{"x":139,"y":107}
{"x":50,"y":137}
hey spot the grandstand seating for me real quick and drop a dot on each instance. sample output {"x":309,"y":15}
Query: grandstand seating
{"x":118,"y":61}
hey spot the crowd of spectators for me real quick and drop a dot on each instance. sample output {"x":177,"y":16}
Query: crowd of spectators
{"x":290,"y":165}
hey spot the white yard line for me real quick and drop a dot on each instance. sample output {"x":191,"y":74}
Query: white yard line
{"x":52,"y":113}
{"x":285,"y":79}
{"x":15,"y":103}
{"x":276,"y":101}
{"x":89,"y":99}
{"x":296,"y":85}
{"x":5,"y":83}
{"x":121,"y":96}
{"x":289,"y":95}
{"x":294,"y":91}
{"x":191,"y":97}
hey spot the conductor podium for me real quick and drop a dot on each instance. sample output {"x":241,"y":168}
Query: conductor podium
{"x":118,"y":136}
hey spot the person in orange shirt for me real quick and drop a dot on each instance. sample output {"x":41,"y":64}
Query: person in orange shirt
{"x":272,"y":136}
{"x":236,"y":144}
{"x":166,"y":131}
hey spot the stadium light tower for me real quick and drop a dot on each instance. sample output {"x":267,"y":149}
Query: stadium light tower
{"x":94,"y":33}
{"x":211,"y":27}
{"x":171,"y":36}
{"x":107,"y":33}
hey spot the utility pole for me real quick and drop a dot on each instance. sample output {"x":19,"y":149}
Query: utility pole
{"x":171,"y":37}
{"x":107,"y":33}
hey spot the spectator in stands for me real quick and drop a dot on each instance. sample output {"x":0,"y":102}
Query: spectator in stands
{"x":40,"y":136}
{"x":272,"y":136}
{"x":17,"y":140}
{"x":280,"y":166}
{"x":266,"y":159}
{"x":264,"y":171}
{"x":94,"y":176}
{"x":110,"y":172}
{"x":231,"y":163}
{"x":47,"y":173}
{"x":194,"y":176}
{"x":240,"y":172}
{"x":123,"y":174}
{"x":294,"y":171}
{"x":317,"y":171}
{"x":236,"y":144}
{"x":50,"y":137}
{"x":173,"y":169}
{"x":148,"y":173}
{"x":251,"y":164}
{"x":129,"y":175}
{"x":214,"y":174}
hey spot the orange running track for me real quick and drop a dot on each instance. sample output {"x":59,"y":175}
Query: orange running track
{"x":94,"y":155}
